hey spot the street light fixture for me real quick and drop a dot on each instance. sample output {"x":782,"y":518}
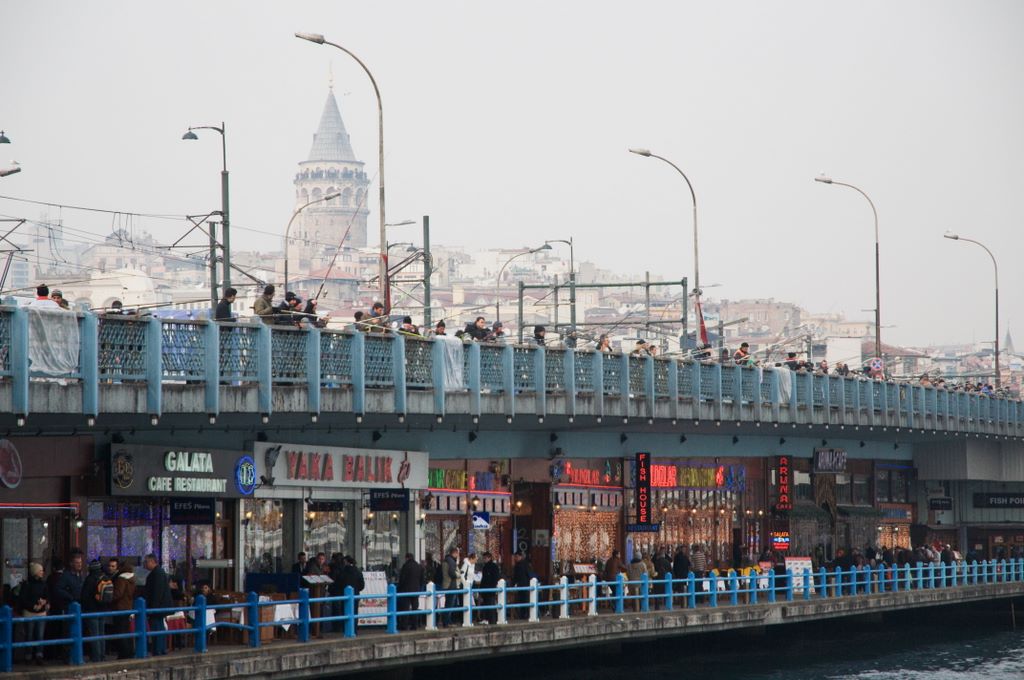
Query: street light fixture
{"x":318,"y":39}
{"x":995,"y":267}
{"x":225,"y":212}
{"x":824,"y":179}
{"x":13,"y":170}
{"x":572,"y":285}
{"x":646,"y":153}
{"x":288,"y":229}
{"x":497,"y":283}
{"x":4,"y":139}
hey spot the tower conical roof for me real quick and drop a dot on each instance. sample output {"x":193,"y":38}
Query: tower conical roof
{"x":330,"y":143}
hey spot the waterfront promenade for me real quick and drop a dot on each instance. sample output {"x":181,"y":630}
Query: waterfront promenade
{"x":553,"y":617}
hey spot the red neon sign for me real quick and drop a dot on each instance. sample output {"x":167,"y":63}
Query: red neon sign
{"x":782,"y":470}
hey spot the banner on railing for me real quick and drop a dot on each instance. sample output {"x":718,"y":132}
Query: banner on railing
{"x":797,"y":566}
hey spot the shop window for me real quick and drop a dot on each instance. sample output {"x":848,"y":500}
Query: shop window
{"x":843,"y":490}
{"x":326,"y":527}
{"x":882,"y":486}
{"x":382,"y":542}
{"x":802,"y":484}
{"x":262,"y":536}
{"x":861,"y":490}
{"x":900,"y":486}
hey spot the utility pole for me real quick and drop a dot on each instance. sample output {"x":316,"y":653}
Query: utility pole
{"x":428,"y":269}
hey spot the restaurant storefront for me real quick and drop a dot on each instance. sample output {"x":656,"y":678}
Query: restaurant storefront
{"x":468,"y":505}
{"x":43,"y":487}
{"x":311,"y":498}
{"x":180,"y":504}
{"x":587,"y":502}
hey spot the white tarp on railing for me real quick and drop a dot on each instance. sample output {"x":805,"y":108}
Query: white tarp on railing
{"x":454,"y":380}
{"x":53,"y":341}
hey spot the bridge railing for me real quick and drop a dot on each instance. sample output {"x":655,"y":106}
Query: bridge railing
{"x":82,"y":633}
{"x":151,"y":353}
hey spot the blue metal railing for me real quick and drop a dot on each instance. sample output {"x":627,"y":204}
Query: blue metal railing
{"x":153,"y":353}
{"x":83,"y":632}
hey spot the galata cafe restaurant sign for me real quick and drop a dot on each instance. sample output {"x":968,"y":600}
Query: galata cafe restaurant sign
{"x":307,"y":465}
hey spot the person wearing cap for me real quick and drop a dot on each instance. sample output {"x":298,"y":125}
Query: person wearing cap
{"x":478,"y":329}
{"x":497,"y":333}
{"x":58,"y":297}
{"x":641,"y":348}
{"x":288,"y":309}
{"x":538,"y":335}
{"x":408,"y":328}
{"x":264,"y":305}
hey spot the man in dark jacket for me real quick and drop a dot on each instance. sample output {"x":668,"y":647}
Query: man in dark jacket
{"x":352,"y":576}
{"x":93,"y":626}
{"x":69,"y":587}
{"x":157,"y":593}
{"x":223,"y":312}
{"x":521,"y":579}
{"x":410,"y":580}
{"x":490,"y":575}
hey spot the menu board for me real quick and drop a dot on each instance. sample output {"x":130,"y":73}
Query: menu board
{"x":796,"y":566}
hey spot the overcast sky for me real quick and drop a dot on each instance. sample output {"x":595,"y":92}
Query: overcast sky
{"x":509,"y":124}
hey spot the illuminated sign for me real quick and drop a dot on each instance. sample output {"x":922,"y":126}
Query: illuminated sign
{"x":137,"y":470}
{"x":730,"y":477}
{"x":441,"y":478}
{"x":780,"y":541}
{"x":782,"y":471}
{"x":830,"y":461}
{"x":312,"y":466}
{"x":581,"y":473}
{"x":643,"y":488}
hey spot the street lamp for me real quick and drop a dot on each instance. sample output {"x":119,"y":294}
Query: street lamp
{"x":288,"y":230}
{"x":693,"y":196}
{"x":497,"y":283}
{"x":319,"y":40}
{"x":878,"y":286}
{"x":995,"y":267}
{"x":4,"y":139}
{"x":226,"y":220}
{"x":13,"y":170}
{"x":572,"y":285}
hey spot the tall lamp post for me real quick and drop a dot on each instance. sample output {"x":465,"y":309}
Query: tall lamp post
{"x":319,"y":40}
{"x":572,"y":285}
{"x":995,"y":267}
{"x":696,"y":251}
{"x":288,"y":230}
{"x":878,"y":285}
{"x":226,"y":220}
{"x":497,"y":283}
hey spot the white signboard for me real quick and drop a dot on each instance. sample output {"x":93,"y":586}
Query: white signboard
{"x":376,"y":585}
{"x":312,"y":466}
{"x":796,"y":566}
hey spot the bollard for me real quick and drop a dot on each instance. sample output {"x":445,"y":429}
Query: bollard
{"x":592,"y":611}
{"x":668,"y":592}
{"x":807,"y":584}
{"x":467,"y":613}
{"x":691,"y":590}
{"x":200,"y":624}
{"x":789,"y":585}
{"x":620,"y":594}
{"x":75,"y":609}
{"x":254,"y":619}
{"x":563,"y":609}
{"x":534,"y":601}
{"x":6,"y":639}
{"x":140,"y":628}
{"x":734,"y":588}
{"x":645,"y":593}
{"x":303,"y":632}
{"x":349,"y":605}
{"x":432,"y":600}
{"x":392,"y":611}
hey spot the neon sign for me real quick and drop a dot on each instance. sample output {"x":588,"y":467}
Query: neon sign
{"x":643,"y":488}
{"x":782,"y":471}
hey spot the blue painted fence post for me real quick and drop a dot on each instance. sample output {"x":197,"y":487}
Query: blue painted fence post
{"x":1003,"y":564}
{"x":254,"y":619}
{"x":620,"y":593}
{"x":920,"y":577}
{"x":734,"y":584}
{"x":75,"y":609}
{"x":807,"y":584}
{"x":668,"y":591}
{"x":839,"y":582}
{"x":6,"y":639}
{"x":823,"y":588}
{"x":752,"y":579}
{"x":691,"y":590}
{"x":140,"y":628}
{"x":303,"y":615}
{"x":881,"y":578}
{"x":200,"y":624}
{"x":350,"y":612}
{"x":771,"y":586}
{"x":931,"y":575}
{"x":713,"y":597}
{"x":645,"y":593}
{"x":392,"y":609}
{"x":789,"y":585}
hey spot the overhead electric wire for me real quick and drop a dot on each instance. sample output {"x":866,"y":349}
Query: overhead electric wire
{"x":156,"y":216}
